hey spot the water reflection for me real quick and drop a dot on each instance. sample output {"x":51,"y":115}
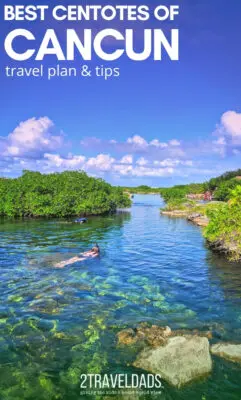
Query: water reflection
{"x":227,"y":274}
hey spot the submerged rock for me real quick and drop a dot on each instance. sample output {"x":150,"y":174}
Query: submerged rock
{"x":181,"y":360}
{"x":153,"y":336}
{"x":127,"y":337}
{"x":231,"y":352}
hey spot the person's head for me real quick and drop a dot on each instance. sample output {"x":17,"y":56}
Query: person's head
{"x":96,"y":248}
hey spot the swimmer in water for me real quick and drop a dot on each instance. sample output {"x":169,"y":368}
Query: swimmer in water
{"x":94,"y":252}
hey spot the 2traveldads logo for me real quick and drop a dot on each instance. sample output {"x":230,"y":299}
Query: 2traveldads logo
{"x":120,"y":381}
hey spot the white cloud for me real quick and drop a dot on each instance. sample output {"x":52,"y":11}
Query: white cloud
{"x":152,"y":172}
{"x":123,"y":169}
{"x":174,"y":142}
{"x":34,"y":142}
{"x":156,"y":143}
{"x":71,"y":162}
{"x":142,"y":161}
{"x":102,"y":162}
{"x":128,"y":159}
{"x":138,"y":141}
{"x":220,"y":141}
{"x":142,"y":143}
{"x":32,"y":136}
{"x":231,"y":122}
{"x":229,"y":131}
{"x":173,"y":163}
{"x":142,"y":171}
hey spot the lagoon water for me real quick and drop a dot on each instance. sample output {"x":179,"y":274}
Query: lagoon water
{"x":58,"y":323}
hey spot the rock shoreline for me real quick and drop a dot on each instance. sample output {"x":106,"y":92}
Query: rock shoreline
{"x":219,"y":246}
{"x":179,"y":356}
{"x":195,"y":218}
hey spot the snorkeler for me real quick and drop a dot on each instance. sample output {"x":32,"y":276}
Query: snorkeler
{"x":95,"y":249}
{"x":94,"y":252}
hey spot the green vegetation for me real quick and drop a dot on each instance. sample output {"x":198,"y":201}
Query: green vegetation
{"x":224,"y":228}
{"x":181,"y":204}
{"x":143,"y":189}
{"x":216,"y":182}
{"x":181,"y":191}
{"x":174,"y":193}
{"x":224,"y":189}
{"x":221,"y":187}
{"x":192,"y":207}
{"x":58,"y":195}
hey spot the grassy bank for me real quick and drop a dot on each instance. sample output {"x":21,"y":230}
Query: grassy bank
{"x":191,"y":207}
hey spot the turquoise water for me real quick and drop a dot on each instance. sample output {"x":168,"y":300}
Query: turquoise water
{"x":58,"y":323}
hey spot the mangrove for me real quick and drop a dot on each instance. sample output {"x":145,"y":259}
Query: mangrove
{"x":70,"y":193}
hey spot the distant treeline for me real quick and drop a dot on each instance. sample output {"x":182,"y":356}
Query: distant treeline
{"x":221,"y":187}
{"x":69,"y":193}
{"x":181,"y":191}
{"x":142,"y":189}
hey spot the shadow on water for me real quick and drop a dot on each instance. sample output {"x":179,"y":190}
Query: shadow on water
{"x":56,"y":324}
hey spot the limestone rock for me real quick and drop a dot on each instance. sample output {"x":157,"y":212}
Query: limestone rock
{"x":198,"y":219}
{"x":181,"y":360}
{"x":176,"y":213}
{"x":231,"y":352}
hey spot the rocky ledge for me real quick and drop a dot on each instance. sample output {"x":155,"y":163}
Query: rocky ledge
{"x":195,"y":218}
{"x":176,"y":213}
{"x":229,"y":249}
{"x":179,"y":356}
{"x":198,"y":219}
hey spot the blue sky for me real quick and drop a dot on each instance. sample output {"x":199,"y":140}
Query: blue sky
{"x":159,"y":123}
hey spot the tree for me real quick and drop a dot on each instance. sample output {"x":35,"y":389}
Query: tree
{"x":59,"y":195}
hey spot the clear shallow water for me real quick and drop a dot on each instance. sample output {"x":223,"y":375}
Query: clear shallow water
{"x":58,"y":323}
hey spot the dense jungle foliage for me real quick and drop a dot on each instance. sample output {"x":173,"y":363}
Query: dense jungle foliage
{"x":69,"y":193}
{"x":179,"y":192}
{"x":224,"y":226}
{"x":227,"y":176}
{"x":223,"y":191}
